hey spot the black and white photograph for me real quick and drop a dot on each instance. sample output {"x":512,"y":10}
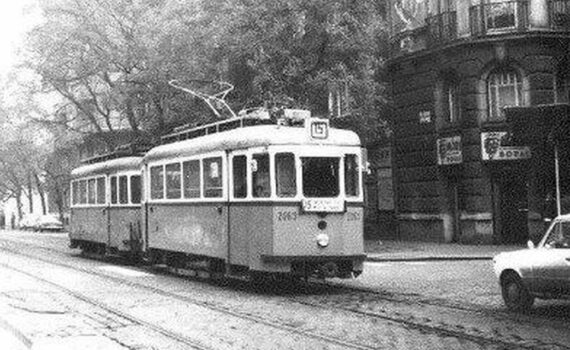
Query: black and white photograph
{"x":284,"y":174}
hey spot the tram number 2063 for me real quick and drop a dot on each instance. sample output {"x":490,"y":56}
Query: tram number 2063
{"x":287,"y":215}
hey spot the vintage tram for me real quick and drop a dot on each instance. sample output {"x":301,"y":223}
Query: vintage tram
{"x":105,"y":206}
{"x":259,"y":199}
{"x":246,"y":196}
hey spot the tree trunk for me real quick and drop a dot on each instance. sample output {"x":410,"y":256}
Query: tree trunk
{"x":19,"y":203}
{"x":41,"y":193}
{"x":30,"y":195}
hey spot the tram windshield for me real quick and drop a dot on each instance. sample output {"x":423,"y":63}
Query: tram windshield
{"x":320,"y":176}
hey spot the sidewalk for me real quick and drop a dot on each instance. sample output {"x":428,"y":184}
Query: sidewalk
{"x":425,"y":251}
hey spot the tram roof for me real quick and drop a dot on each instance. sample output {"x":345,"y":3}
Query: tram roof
{"x":248,"y":137}
{"x":113,"y":165}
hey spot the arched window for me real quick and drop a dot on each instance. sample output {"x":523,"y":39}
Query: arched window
{"x":563,"y":86}
{"x":504,"y":88}
{"x":450,"y":103}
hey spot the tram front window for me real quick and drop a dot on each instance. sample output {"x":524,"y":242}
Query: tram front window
{"x":260,"y":177}
{"x":285,"y":174}
{"x":320,"y":176}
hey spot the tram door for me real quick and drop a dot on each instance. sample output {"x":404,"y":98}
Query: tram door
{"x":250,"y":211}
{"x":239,"y":210}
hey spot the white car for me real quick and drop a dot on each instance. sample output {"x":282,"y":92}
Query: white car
{"x":538,"y":272}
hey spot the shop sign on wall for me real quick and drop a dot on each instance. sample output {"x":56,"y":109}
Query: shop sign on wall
{"x":495,"y":146}
{"x":449,"y":150}
{"x":424,"y":117}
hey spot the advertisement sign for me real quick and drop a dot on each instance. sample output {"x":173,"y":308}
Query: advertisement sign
{"x":449,"y":150}
{"x":495,"y":146}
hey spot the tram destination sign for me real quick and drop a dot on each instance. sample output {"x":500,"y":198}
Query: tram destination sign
{"x":323,"y":205}
{"x":317,"y":128}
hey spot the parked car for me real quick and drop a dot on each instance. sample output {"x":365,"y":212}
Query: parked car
{"x":48,"y":223}
{"x":29,"y":222}
{"x":542,"y":271}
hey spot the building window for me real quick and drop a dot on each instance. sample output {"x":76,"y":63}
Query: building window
{"x":563,"y":87}
{"x":339,"y":99}
{"x":501,"y":14}
{"x":450,"y":105}
{"x":504,"y":89}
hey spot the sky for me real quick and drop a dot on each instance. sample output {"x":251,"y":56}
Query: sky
{"x":14,"y":22}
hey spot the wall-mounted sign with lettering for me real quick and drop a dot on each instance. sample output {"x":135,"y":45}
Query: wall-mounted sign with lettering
{"x":424,"y":117}
{"x":494,"y":146}
{"x":449,"y":150}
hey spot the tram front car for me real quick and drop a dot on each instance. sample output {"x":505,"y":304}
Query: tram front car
{"x":263,"y":199}
{"x":316,"y":210}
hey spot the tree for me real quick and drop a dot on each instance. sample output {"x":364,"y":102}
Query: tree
{"x":292,"y":52}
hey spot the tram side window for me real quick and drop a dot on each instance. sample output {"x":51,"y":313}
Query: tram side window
{"x":135,"y":189}
{"x":260,"y":176}
{"x":351,"y":183}
{"x":320,"y":176}
{"x":212,"y":177}
{"x":113,"y":190}
{"x":75,"y":192}
{"x":156,"y":182}
{"x":101,"y":194}
{"x":285,"y":175}
{"x":83,"y":192}
{"x":191,"y":172}
{"x":240,"y":176}
{"x":173,"y":184}
{"x":123,"y":190}
{"x":91,"y":191}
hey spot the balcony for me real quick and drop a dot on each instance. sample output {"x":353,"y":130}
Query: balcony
{"x":499,"y":17}
{"x":442,"y":28}
{"x":559,"y":14}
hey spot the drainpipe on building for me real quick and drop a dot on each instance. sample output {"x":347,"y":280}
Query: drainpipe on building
{"x":557,"y":176}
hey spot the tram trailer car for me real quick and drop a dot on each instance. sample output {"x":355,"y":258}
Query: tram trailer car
{"x":266,"y":199}
{"x":105,"y":207}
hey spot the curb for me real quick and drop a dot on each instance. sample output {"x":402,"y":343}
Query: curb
{"x":13,"y":338}
{"x":428,"y":258}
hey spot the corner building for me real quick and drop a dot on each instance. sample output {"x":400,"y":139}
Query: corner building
{"x":480,"y":91}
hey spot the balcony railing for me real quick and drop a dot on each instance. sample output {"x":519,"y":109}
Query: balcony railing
{"x":442,"y":28}
{"x":499,"y":17}
{"x":559,"y":13}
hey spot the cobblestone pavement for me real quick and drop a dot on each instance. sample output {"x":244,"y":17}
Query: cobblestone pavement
{"x":37,"y":314}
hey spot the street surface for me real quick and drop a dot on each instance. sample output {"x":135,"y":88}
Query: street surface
{"x":53,"y":298}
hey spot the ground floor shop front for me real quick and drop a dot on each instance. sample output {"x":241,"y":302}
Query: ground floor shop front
{"x":498,"y":184}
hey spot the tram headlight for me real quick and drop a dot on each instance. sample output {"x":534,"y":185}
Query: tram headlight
{"x":323,"y":240}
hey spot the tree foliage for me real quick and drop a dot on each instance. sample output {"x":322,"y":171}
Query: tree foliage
{"x":112,"y":60}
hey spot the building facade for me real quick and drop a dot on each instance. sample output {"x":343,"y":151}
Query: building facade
{"x":462,"y":173}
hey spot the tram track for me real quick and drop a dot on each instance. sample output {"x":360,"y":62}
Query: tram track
{"x":346,"y":292}
{"x":114,"y":311}
{"x":164,"y":331}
